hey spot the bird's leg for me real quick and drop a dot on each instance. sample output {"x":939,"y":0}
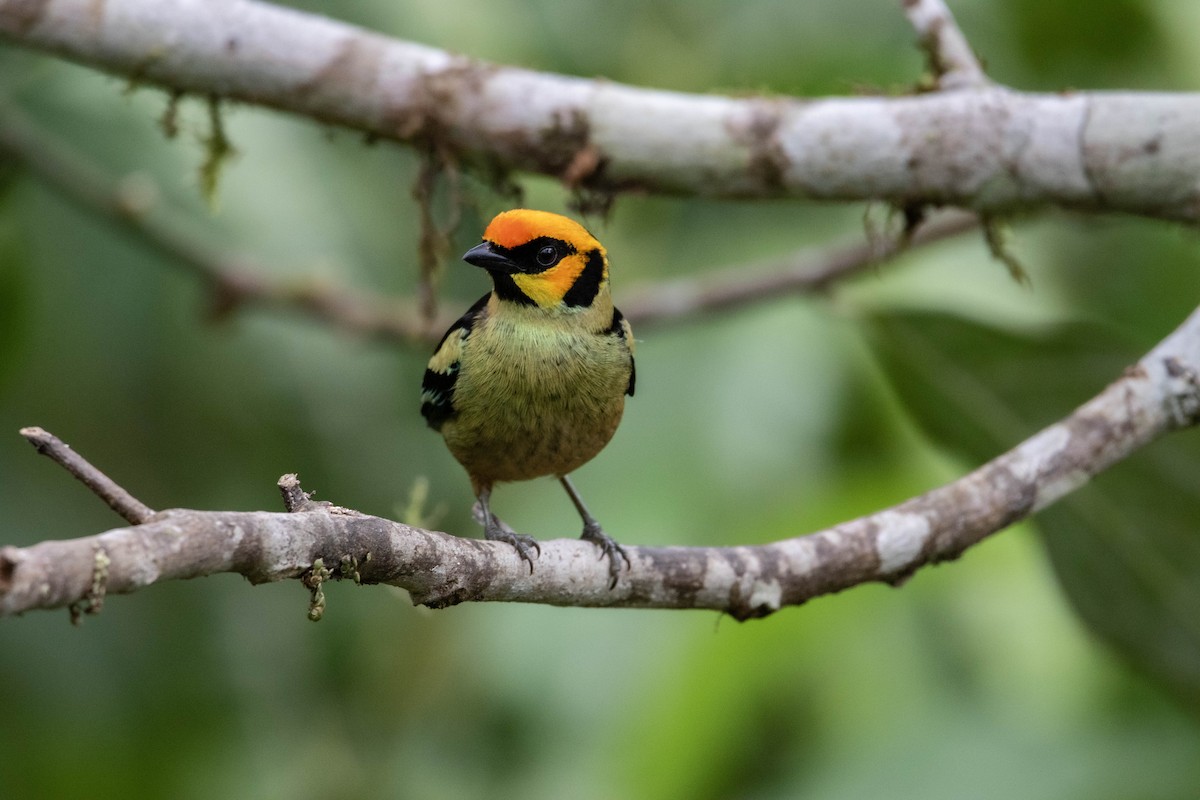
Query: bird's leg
{"x":494,"y":530}
{"x":592,"y":532}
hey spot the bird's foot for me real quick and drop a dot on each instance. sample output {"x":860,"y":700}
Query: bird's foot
{"x":593,"y":533}
{"x":498,"y":531}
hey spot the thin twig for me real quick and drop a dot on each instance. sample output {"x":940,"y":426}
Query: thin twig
{"x":809,"y":271}
{"x":119,"y":500}
{"x":1159,"y":394}
{"x":951,"y":59}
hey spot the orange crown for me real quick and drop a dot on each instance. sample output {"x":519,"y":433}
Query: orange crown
{"x":520,"y":225}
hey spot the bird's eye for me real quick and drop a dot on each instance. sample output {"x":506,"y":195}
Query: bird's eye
{"x":547,"y":256}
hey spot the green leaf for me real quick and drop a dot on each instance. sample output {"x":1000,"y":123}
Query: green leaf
{"x":1099,"y":50}
{"x":1126,"y":548}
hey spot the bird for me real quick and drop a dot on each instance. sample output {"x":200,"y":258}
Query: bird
{"x":531,"y":381}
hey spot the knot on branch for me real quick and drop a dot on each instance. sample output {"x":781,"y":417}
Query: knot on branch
{"x":295,"y":499}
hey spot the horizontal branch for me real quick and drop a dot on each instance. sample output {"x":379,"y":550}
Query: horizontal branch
{"x":1159,"y":394}
{"x":236,"y":281}
{"x":989,"y":149}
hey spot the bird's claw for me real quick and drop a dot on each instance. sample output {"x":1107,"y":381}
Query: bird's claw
{"x":524,"y":545}
{"x":593,"y":533}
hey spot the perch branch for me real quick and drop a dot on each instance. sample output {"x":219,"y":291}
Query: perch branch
{"x":991,"y":150}
{"x":951,"y":58}
{"x":1160,"y":393}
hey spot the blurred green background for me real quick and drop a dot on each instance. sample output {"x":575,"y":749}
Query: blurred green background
{"x":1058,"y":660}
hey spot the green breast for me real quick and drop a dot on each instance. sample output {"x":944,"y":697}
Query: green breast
{"x":536,"y":400}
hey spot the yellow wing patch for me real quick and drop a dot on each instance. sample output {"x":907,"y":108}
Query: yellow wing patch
{"x":441,"y":374}
{"x":449,"y":353}
{"x":628,"y":329}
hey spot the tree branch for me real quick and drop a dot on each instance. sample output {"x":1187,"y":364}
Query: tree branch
{"x":235,"y":281}
{"x":805,"y":272}
{"x":951,"y":58}
{"x":991,"y":150}
{"x":1160,"y":393}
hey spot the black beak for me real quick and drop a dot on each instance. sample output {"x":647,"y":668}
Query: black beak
{"x":487,"y":256}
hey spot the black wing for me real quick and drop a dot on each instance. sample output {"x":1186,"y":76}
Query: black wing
{"x":437,"y":387}
{"x":620,"y":328}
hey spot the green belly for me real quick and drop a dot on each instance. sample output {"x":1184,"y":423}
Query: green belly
{"x":532,"y":405}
